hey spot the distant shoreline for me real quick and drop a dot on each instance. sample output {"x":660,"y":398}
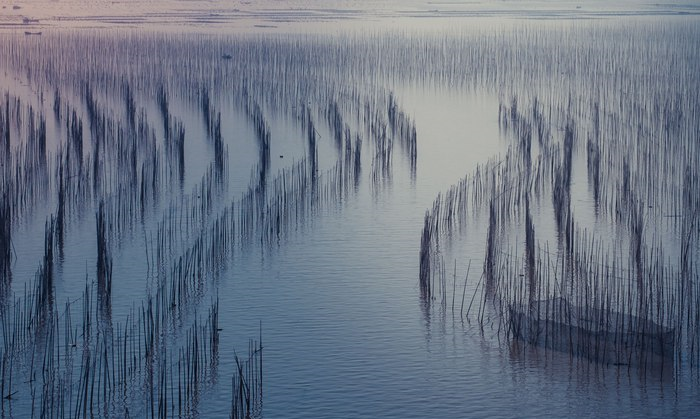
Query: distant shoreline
{"x":312,"y":15}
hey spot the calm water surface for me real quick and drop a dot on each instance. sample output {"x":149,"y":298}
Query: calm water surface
{"x":344,"y":328}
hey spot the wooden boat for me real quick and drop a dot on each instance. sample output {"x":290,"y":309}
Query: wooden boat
{"x":599,"y":335}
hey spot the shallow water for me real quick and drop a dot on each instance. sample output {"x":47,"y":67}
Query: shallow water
{"x":335,"y":296}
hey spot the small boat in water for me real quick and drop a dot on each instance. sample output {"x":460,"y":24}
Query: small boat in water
{"x":32,"y":33}
{"x":599,"y":335}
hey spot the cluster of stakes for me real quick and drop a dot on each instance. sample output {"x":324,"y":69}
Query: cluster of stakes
{"x":105,"y":144}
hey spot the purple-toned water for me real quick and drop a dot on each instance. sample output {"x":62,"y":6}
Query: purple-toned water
{"x":335,"y":294}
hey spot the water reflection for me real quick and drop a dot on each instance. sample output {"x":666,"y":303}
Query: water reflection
{"x":288,"y":184}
